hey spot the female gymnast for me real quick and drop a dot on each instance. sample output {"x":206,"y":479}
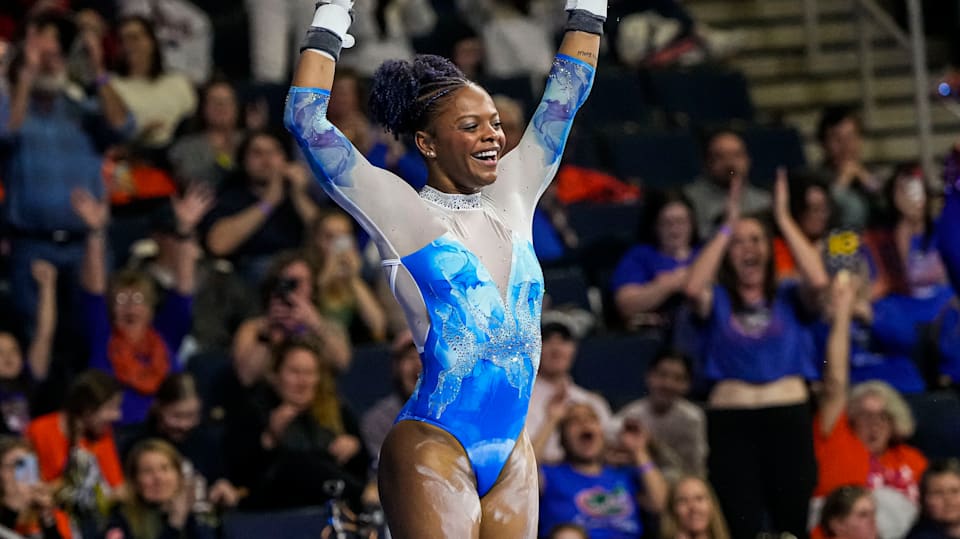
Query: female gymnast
{"x":459,"y":258}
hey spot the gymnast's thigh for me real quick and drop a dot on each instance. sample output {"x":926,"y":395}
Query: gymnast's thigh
{"x":511,"y":508}
{"x":427,"y":486}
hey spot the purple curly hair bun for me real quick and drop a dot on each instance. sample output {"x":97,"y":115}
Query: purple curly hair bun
{"x":404,"y":91}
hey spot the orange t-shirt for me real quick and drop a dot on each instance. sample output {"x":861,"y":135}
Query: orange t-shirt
{"x":52,"y":448}
{"x":844,"y":460}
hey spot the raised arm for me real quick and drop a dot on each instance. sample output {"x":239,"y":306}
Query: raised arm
{"x":95,"y":214}
{"x":189,"y":210}
{"x":530,"y":167}
{"x":41,"y":347}
{"x":380,"y":201}
{"x":809,"y":261}
{"x":703,"y":271}
{"x":836,"y":375}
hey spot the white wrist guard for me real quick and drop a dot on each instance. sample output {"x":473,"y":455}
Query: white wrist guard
{"x":328,"y":31}
{"x":595,"y":7}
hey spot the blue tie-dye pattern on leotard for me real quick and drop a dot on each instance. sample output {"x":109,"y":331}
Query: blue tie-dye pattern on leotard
{"x":481,"y":354}
{"x":481,"y":351}
{"x":567,"y":89}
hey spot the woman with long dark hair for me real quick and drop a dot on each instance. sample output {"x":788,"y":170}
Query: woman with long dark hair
{"x":758,"y":353}
{"x":459,"y":257}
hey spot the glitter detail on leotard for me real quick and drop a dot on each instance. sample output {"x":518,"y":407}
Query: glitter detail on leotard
{"x":451,"y":201}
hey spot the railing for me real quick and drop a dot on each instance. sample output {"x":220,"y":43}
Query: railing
{"x":870,"y":18}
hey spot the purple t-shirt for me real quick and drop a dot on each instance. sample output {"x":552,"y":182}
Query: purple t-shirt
{"x":758,"y":345}
{"x":172,"y":321}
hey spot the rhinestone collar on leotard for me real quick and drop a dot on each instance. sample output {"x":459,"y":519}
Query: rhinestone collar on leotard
{"x":451,"y":201}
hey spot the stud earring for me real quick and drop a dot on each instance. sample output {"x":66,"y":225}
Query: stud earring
{"x":431,"y":154}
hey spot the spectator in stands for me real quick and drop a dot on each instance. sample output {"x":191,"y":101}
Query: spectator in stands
{"x":678,"y":425}
{"x":758,"y":353}
{"x":812,"y":209}
{"x":162,"y":502}
{"x":222,"y":300}
{"x":289,"y":296}
{"x":859,"y":439}
{"x":159,"y":99}
{"x":903,"y":251}
{"x":405,"y":368}
{"x":940,"y":499}
{"x":853,"y":187}
{"x":554,"y":389}
{"x":726,"y":163}
{"x":649,"y":280}
{"x":207,"y":154}
{"x":76,"y":447}
{"x":263,"y":208}
{"x":126,"y":339}
{"x":176,"y":417}
{"x":693,"y":512}
{"x":948,"y":336}
{"x":342,"y":293}
{"x":18,"y":381}
{"x":184,"y":34}
{"x":850,"y":512}
{"x":27,"y":505}
{"x":605,"y":500}
{"x":384,"y":29}
{"x":45,"y":111}
{"x":297,"y":437}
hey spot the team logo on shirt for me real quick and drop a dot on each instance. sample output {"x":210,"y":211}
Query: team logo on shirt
{"x":599,"y":502}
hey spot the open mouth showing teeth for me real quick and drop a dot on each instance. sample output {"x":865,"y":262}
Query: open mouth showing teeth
{"x":488,"y":155}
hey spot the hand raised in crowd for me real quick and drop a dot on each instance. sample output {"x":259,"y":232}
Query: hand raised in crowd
{"x":344,"y":447}
{"x":734,"y":200}
{"x":94,"y":213}
{"x":342,"y":262}
{"x":853,"y":172}
{"x":297,"y":176}
{"x":44,"y":273}
{"x":634,"y":438}
{"x":781,"y":195}
{"x":224,"y":494}
{"x":190,"y":208}
{"x":180,"y":507}
{"x":94,"y":48}
{"x":280,"y":419}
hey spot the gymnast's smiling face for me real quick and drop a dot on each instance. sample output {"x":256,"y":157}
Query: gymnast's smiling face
{"x":463,"y":143}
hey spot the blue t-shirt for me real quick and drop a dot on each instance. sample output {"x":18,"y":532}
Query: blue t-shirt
{"x":869,"y":361}
{"x":605,"y":505}
{"x":642,"y":263}
{"x":759,"y":345}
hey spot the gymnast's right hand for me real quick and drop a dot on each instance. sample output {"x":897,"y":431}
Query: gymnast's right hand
{"x":335,"y":16}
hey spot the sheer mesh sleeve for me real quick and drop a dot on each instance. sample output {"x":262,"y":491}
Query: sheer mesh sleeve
{"x":526,"y":172}
{"x":386,"y":206}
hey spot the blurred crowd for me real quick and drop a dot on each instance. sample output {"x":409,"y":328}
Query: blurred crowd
{"x":180,"y":299}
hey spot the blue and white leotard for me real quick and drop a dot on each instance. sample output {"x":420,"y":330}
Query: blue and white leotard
{"x":462,"y":266}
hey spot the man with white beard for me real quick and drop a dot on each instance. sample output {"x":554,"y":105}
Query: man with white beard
{"x":52,"y":134}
